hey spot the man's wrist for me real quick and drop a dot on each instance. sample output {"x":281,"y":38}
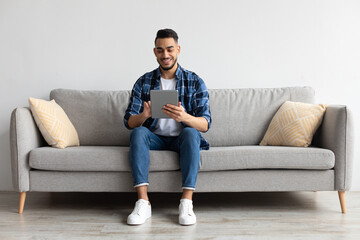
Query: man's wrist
{"x":137,"y":120}
{"x":144,"y":116}
{"x":187,"y":119}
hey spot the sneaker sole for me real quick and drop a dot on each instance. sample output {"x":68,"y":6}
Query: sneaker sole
{"x":186,"y":224}
{"x":136,"y":224}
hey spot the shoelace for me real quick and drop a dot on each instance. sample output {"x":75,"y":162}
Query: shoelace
{"x":188,"y":208}
{"x":138,"y":207}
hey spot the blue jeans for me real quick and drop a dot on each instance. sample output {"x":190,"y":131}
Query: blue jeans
{"x":187,"y":144}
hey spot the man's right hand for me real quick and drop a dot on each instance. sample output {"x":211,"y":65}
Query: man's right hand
{"x":138,"y":120}
{"x":147,"y":110}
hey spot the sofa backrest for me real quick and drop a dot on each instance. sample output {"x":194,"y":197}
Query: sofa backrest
{"x":242,"y":116}
{"x":97,"y":115}
{"x":239,"y":116}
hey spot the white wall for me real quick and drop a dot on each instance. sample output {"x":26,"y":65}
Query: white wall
{"x":107,"y":45}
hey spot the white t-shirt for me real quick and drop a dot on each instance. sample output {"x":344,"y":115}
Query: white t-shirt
{"x":168,"y":126}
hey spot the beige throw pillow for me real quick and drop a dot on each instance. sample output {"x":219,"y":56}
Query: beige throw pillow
{"x":53,"y":123}
{"x":294,"y":124}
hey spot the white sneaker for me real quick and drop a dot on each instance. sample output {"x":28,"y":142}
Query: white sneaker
{"x":141,"y":212}
{"x":186,"y":213}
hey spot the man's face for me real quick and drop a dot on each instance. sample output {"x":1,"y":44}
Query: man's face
{"x":166,"y":51}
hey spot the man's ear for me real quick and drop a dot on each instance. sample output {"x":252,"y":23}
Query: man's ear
{"x":179,"y":48}
{"x":154,"y":51}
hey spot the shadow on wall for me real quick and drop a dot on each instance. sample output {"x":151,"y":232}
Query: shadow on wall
{"x":5,"y":169}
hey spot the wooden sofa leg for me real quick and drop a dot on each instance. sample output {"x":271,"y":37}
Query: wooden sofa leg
{"x":22,"y":202}
{"x":342,"y":201}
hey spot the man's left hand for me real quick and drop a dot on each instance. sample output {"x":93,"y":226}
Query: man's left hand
{"x":177,"y":113}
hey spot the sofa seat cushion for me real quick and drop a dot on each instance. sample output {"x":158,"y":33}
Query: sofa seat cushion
{"x":266,"y":157}
{"x":97,"y":158}
{"x":115,"y":158}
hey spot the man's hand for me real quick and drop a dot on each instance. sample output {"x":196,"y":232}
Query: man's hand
{"x":137,"y":120}
{"x":147,"y":110}
{"x":177,"y":113}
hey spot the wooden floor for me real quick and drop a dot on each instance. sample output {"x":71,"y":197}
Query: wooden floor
{"x":282,"y":215}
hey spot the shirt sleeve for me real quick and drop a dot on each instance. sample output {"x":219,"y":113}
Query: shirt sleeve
{"x":135,"y":106}
{"x":202,"y":102}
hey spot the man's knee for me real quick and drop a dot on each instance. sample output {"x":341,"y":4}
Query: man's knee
{"x":189,"y":133}
{"x":138,"y":134}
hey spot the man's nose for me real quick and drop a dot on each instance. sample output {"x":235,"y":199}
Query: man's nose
{"x":166,"y":54}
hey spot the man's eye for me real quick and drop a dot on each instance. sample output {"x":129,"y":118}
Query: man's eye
{"x":159,"y":50}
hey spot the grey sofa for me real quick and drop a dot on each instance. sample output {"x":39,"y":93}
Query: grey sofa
{"x":234,"y":163}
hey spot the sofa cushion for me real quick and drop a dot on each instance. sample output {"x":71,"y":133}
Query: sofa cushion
{"x":96,"y":115}
{"x":266,"y":157}
{"x":111,"y":158}
{"x":97,"y":158}
{"x":241,"y":116}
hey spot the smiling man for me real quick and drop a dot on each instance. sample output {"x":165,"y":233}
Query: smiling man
{"x":180,"y":132}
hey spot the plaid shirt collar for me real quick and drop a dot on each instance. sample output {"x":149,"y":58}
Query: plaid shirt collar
{"x":178,"y":76}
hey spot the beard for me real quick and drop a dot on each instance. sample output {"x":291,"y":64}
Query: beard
{"x":168,"y":68}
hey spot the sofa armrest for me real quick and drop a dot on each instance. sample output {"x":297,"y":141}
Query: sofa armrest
{"x":336,"y":133}
{"x":24,"y":137}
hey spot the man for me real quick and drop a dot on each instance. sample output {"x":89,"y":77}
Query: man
{"x":178,"y":133}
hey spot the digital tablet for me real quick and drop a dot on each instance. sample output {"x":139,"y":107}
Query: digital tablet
{"x":159,"y":98}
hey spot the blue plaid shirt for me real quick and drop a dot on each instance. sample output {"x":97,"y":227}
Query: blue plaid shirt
{"x":193,"y":96}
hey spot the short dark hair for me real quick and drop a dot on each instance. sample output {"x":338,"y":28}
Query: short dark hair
{"x":166,"y":33}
